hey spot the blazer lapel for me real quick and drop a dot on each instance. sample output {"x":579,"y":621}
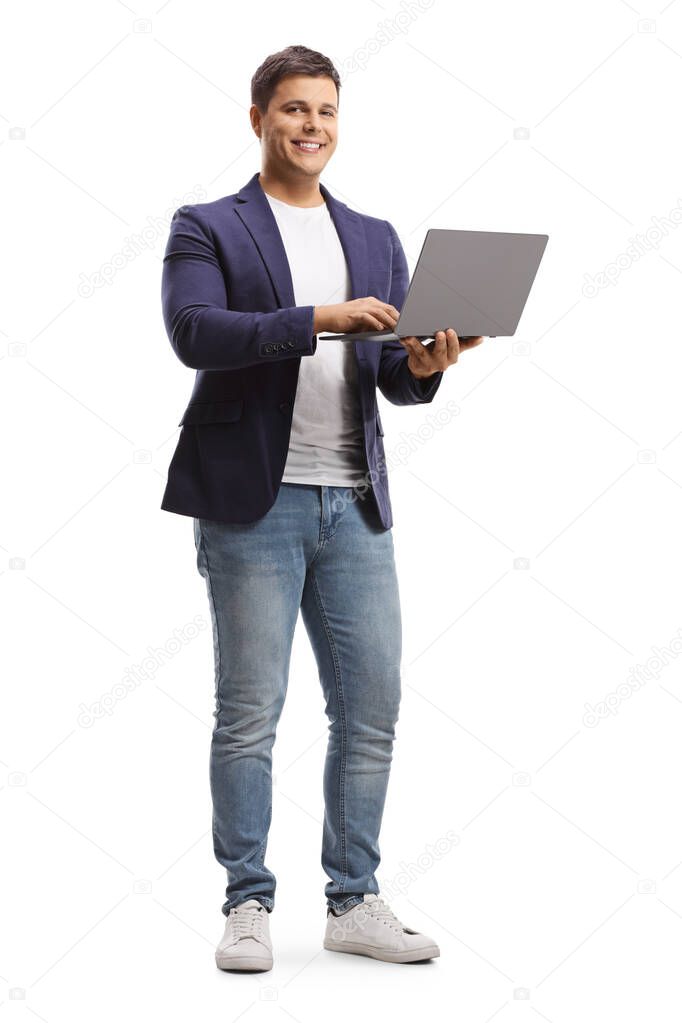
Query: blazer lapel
{"x":254,"y":210}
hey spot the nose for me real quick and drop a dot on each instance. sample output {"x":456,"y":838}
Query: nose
{"x":312,"y":128}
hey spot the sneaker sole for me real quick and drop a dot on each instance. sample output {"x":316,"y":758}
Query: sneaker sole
{"x":243,"y":963}
{"x":354,"y":948}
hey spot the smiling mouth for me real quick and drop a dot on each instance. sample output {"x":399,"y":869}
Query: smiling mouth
{"x":310,"y":147}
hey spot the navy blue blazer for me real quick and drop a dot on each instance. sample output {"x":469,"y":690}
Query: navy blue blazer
{"x":230,"y":314}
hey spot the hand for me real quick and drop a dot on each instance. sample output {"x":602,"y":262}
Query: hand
{"x":360,"y":314}
{"x":425,"y":360}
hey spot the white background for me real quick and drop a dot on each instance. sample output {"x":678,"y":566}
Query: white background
{"x":559,"y":893}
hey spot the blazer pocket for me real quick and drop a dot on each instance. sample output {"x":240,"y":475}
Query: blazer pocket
{"x":199,"y":412}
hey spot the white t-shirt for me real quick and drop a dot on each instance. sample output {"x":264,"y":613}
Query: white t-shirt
{"x":327,"y":440}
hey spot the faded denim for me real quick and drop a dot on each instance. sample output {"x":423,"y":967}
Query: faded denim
{"x":322,"y":549}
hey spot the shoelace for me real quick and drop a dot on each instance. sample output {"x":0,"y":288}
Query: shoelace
{"x":248,"y":923}
{"x":380,"y":909}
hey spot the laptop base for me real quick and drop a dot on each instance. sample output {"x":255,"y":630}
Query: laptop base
{"x":362,"y":335}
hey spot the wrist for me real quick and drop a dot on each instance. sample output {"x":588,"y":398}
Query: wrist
{"x":319,"y":318}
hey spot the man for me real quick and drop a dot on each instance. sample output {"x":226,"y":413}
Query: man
{"x":280,"y":463}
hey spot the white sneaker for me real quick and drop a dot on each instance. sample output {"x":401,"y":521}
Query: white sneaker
{"x":246,"y":944}
{"x":370,"y":928}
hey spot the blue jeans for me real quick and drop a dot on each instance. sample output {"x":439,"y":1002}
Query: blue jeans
{"x":324,"y":550}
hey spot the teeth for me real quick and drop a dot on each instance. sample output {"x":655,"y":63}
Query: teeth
{"x":308,"y":145}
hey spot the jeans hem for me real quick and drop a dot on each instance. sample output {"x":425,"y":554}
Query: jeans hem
{"x":264,"y":901}
{"x":353,"y":900}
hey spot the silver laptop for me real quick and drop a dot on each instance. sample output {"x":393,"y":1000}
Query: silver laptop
{"x":477,"y":282}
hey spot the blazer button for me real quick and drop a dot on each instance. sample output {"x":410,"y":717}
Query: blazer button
{"x":284,"y":406}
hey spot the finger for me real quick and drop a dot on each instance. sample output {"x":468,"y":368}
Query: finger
{"x":385,"y":318}
{"x":440,"y":343}
{"x":470,"y":342}
{"x":453,"y":344}
{"x":387,"y":310}
{"x":414,"y":347}
{"x":376,"y":318}
{"x":446,"y":348}
{"x":369,"y":322}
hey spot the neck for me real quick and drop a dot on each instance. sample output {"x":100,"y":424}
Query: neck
{"x":303,"y":192}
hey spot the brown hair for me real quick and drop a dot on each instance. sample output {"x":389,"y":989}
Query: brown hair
{"x":294,"y":60}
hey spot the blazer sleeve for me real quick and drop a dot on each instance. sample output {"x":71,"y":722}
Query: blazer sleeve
{"x":394,"y":378}
{"x":203,"y":332}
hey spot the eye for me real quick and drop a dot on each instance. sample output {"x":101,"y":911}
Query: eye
{"x":329,"y":113}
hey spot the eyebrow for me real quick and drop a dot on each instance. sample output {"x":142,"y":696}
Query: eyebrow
{"x":304,"y":104}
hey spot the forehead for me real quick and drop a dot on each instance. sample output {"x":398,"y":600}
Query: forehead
{"x":312,"y":89}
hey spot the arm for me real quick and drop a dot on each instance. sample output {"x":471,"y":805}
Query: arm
{"x":204,"y":333}
{"x":395,"y":380}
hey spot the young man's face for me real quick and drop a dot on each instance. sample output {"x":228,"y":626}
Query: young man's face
{"x":302,"y":108}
